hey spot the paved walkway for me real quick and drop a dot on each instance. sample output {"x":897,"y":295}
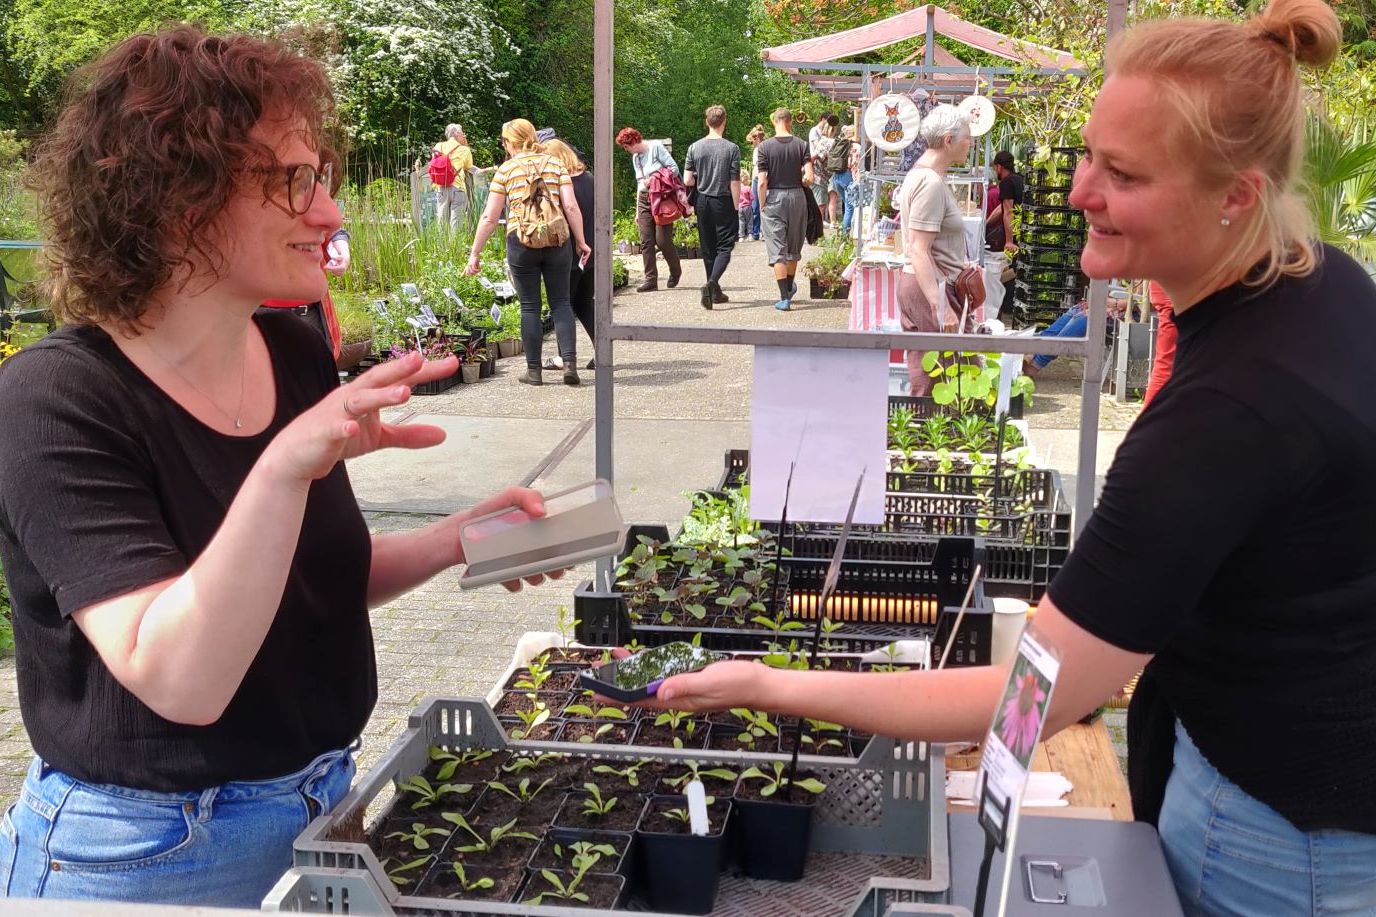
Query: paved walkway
{"x":677,"y":407}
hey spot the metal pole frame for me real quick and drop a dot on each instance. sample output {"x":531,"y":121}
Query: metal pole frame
{"x":1091,"y":347}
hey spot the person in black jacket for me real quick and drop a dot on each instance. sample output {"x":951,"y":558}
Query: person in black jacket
{"x":1232,"y":547}
{"x":581,"y":280}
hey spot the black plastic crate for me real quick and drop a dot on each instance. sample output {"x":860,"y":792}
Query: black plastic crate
{"x":1057,"y":257}
{"x":737,"y":465}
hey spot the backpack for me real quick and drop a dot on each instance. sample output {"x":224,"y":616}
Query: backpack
{"x":838,"y":157}
{"x":668,"y":197}
{"x":536,"y":217}
{"x":442,"y":170}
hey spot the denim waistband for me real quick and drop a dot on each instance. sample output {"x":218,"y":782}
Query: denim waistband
{"x":232,"y":791}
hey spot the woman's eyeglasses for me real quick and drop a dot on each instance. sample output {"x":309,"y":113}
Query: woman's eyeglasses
{"x":303,"y":180}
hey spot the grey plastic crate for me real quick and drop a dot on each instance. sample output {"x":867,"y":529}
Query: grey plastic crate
{"x":879,"y":833}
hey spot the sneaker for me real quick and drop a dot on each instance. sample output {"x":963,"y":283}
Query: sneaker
{"x":783,"y":305}
{"x":552,"y":363}
{"x":673,"y":280}
{"x":648,"y":286}
{"x":706,"y":297}
{"x":531,"y":377}
{"x":571,"y":376}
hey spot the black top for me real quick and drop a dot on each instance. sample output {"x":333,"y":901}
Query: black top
{"x":583,"y":192}
{"x":108,"y":485}
{"x":781,"y":159}
{"x":1234,"y":540}
{"x":1011,"y":189}
{"x":716,"y":163}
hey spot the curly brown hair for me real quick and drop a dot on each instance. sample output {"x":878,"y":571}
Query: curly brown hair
{"x":147,"y":152}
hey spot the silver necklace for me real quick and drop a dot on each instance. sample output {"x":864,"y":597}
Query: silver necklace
{"x":236,"y":417}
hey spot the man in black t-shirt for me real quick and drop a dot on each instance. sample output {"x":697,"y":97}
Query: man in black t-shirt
{"x":713,"y":166}
{"x":785,"y":171}
{"x":998,"y":225}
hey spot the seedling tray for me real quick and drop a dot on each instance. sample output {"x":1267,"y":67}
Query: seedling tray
{"x":879,"y":834}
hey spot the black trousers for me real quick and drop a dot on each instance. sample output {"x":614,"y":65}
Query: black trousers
{"x":530,"y":266}
{"x":718,"y":231}
{"x":580,"y":287}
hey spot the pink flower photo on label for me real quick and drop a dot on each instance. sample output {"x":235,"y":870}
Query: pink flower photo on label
{"x":1020,"y":716}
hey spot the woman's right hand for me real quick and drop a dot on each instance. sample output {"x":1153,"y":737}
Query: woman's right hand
{"x":346,"y":422}
{"x":473,"y":265}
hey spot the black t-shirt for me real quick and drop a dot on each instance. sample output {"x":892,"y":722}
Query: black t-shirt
{"x":108,"y":485}
{"x":782,"y":159}
{"x":1234,"y":540}
{"x":1012,"y":188}
{"x":716,"y":162}
{"x":583,"y":192}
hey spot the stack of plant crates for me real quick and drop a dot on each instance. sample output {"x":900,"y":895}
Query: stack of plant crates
{"x":1050,"y":242}
{"x":1023,"y":544}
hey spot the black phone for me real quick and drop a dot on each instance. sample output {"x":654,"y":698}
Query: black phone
{"x":639,"y":676}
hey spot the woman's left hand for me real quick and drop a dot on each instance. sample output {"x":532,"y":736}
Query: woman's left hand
{"x":584,"y":250}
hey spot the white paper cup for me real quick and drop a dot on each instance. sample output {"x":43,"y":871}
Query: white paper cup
{"x":1010,"y":616}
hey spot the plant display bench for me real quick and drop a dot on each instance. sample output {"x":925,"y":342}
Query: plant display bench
{"x":878,"y":838}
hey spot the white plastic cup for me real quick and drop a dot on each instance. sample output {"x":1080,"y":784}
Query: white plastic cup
{"x":1010,"y":617}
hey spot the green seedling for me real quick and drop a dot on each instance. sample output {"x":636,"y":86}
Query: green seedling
{"x":595,"y":806}
{"x":630,"y":773}
{"x":403,"y":874}
{"x":496,"y":836}
{"x":599,"y":713}
{"x":567,"y":624}
{"x":697,"y":772}
{"x":530,"y":719}
{"x":453,"y":762}
{"x":562,"y":891}
{"x":529,"y":762}
{"x":537,"y":673}
{"x":523,"y":792}
{"x":755,"y":725}
{"x":682,"y":815}
{"x":419,"y":835}
{"x":471,"y":885}
{"x":585,"y":852}
{"x":425,"y":794}
{"x":777,"y":780}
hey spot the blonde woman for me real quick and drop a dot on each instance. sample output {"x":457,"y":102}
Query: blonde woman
{"x":529,"y":266}
{"x":1232,"y":549}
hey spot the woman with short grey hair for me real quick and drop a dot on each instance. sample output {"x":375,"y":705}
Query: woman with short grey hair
{"x":933,"y":235}
{"x":451,"y":200}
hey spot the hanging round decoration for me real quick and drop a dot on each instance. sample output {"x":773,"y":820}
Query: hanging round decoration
{"x":891,"y":122}
{"x":981,"y":113}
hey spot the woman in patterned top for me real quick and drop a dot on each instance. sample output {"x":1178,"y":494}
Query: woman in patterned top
{"x":526,"y":156}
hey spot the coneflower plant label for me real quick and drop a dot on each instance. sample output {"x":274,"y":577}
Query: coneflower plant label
{"x":1018,"y":722}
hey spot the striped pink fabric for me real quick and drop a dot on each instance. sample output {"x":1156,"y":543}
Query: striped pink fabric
{"x":874,"y":301}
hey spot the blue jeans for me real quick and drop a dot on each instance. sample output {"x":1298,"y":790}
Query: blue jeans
{"x":840,"y":183}
{"x":225,"y":846}
{"x":755,"y":210}
{"x":1070,"y":324}
{"x":1231,"y":854}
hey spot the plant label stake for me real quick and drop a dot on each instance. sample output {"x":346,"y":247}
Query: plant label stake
{"x":1010,"y":365}
{"x":411,"y":292}
{"x":453,"y":297}
{"x":779,"y":546}
{"x":697,"y":807}
{"x":828,"y":587}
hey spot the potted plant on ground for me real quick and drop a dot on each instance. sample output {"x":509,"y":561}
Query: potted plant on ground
{"x":682,"y":870}
{"x":355,"y":337}
{"x":686,"y":238}
{"x":825,"y":269}
{"x":474,"y":361}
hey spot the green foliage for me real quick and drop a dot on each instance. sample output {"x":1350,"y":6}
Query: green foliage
{"x":6,"y":615}
{"x":838,"y":250}
{"x":18,"y":211}
{"x":775,"y":780}
{"x":1340,"y":182}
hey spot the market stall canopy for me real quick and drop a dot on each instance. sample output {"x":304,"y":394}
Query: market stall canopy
{"x":913,"y":24}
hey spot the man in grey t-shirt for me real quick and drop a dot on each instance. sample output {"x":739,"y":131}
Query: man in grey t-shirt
{"x":713,"y":166}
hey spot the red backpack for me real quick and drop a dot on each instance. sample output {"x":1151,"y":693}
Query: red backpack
{"x":442,"y":170}
{"x":668,"y":197}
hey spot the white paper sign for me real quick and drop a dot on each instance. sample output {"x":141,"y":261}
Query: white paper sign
{"x":828,"y":411}
{"x":1010,"y":367}
{"x":453,"y":297}
{"x":411,"y":292}
{"x":1018,"y":721}
{"x":429,"y":315}
{"x":496,"y":313}
{"x":484,"y":282}
{"x":504,"y":290}
{"x":381,"y":306}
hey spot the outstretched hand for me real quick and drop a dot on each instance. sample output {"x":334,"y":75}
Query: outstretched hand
{"x":719,"y":686}
{"x":529,"y":502}
{"x":346,"y":423}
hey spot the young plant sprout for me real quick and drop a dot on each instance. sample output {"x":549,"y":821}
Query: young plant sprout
{"x":529,"y":762}
{"x":403,"y":874}
{"x":822,"y":735}
{"x":630,"y":773}
{"x":585,"y":852}
{"x":697,"y":772}
{"x":561,"y":890}
{"x":755,"y":725}
{"x":453,"y":761}
{"x":530,"y":719}
{"x":595,"y":806}
{"x":495,"y":837}
{"x":537,"y":673}
{"x":419,"y":835}
{"x":522,"y":793}
{"x":599,"y":713}
{"x":471,"y":885}
{"x":777,"y":780}
{"x":424,"y":794}
{"x":567,"y":624}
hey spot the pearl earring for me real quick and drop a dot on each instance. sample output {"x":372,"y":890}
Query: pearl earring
{"x":1225,"y":222}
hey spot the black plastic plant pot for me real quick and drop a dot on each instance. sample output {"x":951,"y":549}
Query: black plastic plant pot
{"x":774,"y":838}
{"x":683,"y":871}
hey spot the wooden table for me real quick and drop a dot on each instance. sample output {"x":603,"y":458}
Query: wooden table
{"x":1085,"y":755}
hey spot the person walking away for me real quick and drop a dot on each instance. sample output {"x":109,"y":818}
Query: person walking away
{"x":998,"y":222}
{"x":841,"y":165}
{"x":755,"y":138}
{"x":785,"y":176}
{"x":647,"y":158}
{"x":820,"y":140}
{"x":542,"y":215}
{"x":934,"y":236}
{"x":713,"y":166}
{"x":452,"y":199}
{"x":191,"y":576}
{"x":747,"y":205}
{"x":581,"y":276}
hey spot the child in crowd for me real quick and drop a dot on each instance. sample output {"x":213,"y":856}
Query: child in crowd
{"x":747,"y":204}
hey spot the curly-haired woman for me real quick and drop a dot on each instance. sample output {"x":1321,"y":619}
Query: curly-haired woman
{"x":191,"y":575}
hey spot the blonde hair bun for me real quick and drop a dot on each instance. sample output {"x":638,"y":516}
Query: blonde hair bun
{"x":1308,"y":29}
